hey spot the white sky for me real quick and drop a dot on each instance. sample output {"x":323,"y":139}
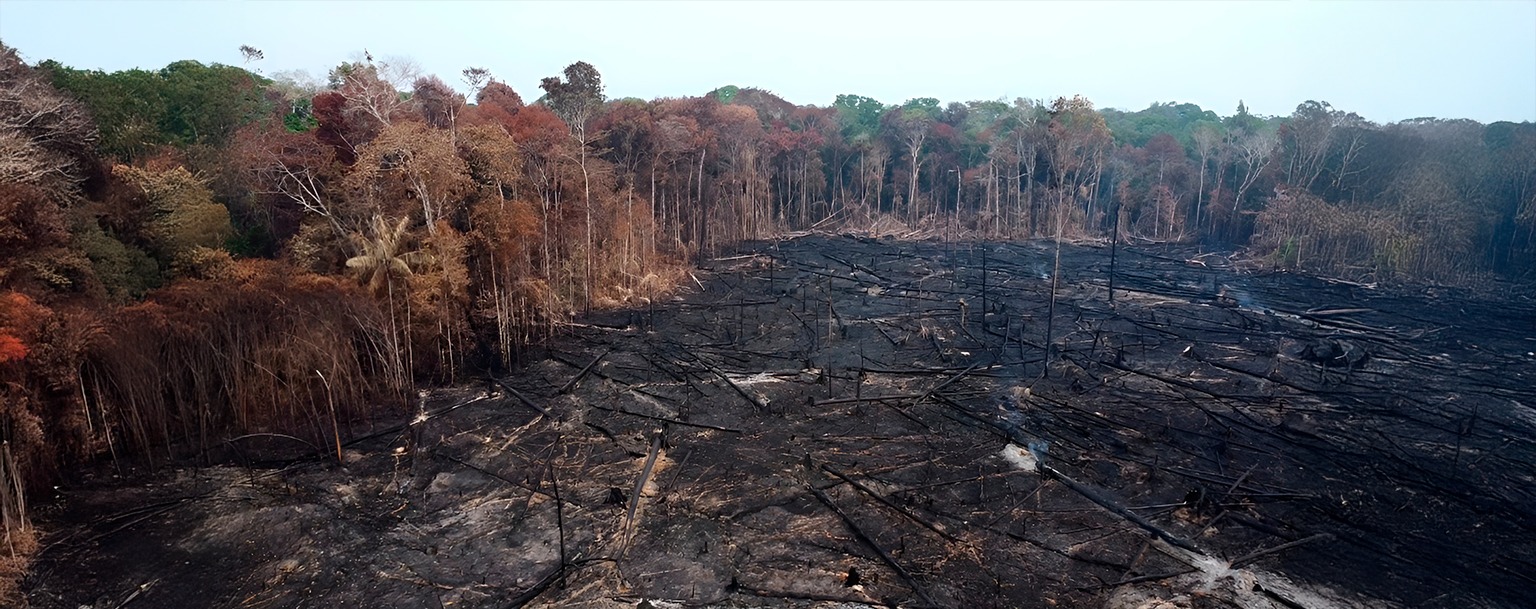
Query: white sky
{"x":1387,"y":61}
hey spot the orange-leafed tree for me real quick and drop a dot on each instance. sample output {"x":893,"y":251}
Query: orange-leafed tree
{"x":439,"y":303}
{"x":18,"y":316}
{"x":500,"y":95}
{"x":409,"y":161}
{"x":629,"y":139}
{"x":495,"y":104}
{"x":543,"y":138}
{"x":514,"y":304}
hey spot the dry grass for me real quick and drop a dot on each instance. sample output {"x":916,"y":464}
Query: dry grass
{"x":14,"y":560}
{"x":20,"y":537}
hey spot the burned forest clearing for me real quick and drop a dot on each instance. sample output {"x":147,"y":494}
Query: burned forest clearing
{"x":846,"y":421}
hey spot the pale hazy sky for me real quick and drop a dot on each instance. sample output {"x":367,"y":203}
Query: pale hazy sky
{"x":1387,"y":61}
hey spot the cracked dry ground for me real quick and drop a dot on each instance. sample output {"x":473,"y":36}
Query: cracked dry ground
{"x":843,"y":422}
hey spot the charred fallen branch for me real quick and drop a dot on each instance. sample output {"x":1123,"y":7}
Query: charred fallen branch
{"x":885,"y":557}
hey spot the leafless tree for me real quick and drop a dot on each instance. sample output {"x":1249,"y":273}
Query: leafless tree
{"x":43,"y":133}
{"x":251,"y":53}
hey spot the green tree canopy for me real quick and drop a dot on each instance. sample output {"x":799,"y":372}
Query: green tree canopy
{"x":183,"y":104}
{"x":858,"y":115}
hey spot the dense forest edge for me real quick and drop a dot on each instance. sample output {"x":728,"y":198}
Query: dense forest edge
{"x":196,"y":254}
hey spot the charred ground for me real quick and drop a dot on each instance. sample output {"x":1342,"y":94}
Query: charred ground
{"x":851,"y":420}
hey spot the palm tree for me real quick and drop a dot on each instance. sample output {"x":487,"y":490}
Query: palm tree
{"x":381,"y":258}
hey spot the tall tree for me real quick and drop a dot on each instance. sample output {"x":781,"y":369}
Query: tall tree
{"x":1255,"y":151}
{"x":1079,"y":137}
{"x":409,"y":161}
{"x":860,"y":119}
{"x":576,"y":100}
{"x":476,"y":78}
{"x":370,"y":97}
{"x":501,"y":96}
{"x":911,"y":124}
{"x":1207,"y":137}
{"x":1305,"y":138}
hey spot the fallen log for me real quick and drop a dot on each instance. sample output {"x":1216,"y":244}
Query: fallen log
{"x":870,"y":542}
{"x":532,"y":490}
{"x":538,"y":588}
{"x":571,"y":384}
{"x":887,"y":503}
{"x":742,"y":392}
{"x":634,"y":499}
{"x":665,"y":419}
{"x":597,"y":373}
{"x":1247,"y":558}
{"x":870,"y":398}
{"x":1094,"y":495}
{"x":1328,"y":312}
{"x":947,"y":383}
{"x":521,"y":398}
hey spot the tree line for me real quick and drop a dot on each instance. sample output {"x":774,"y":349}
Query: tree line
{"x":201,"y":250}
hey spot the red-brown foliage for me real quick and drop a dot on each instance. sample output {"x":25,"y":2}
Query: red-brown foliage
{"x":437,"y":102}
{"x":538,"y":130}
{"x":18,"y":317}
{"x":40,"y":408}
{"x":335,"y":129}
{"x":499,"y":95}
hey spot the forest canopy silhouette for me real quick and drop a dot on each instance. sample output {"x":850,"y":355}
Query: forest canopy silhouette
{"x":200,"y":252}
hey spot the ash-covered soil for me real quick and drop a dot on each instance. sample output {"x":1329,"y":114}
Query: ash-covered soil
{"x":846,"y":422}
